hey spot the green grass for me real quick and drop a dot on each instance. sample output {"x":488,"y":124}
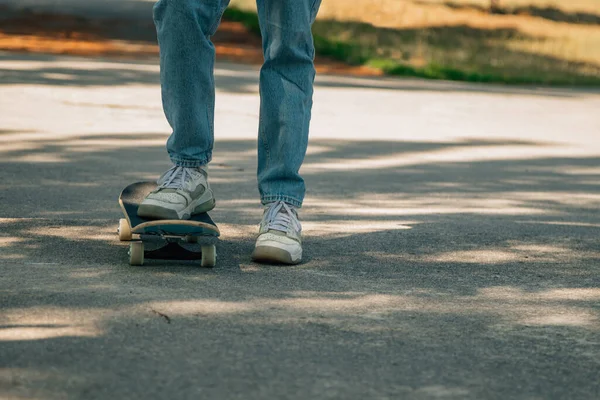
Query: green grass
{"x":459,"y":53}
{"x":436,"y":71}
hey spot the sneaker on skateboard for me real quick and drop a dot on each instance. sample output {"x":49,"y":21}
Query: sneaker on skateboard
{"x":200,"y":228}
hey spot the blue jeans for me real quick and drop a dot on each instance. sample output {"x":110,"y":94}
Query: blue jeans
{"x":187,"y":58}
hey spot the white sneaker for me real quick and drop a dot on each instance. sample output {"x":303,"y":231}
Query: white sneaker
{"x":280,"y":232}
{"x":181,"y":192}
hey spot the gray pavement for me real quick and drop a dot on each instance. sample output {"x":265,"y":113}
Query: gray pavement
{"x":90,"y":8}
{"x":451,"y":244}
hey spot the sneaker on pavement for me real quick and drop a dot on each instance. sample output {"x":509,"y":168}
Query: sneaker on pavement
{"x":279,"y":239}
{"x":181,"y":192}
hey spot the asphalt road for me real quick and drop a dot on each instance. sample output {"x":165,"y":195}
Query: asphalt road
{"x":96,"y":8}
{"x":451,"y":244}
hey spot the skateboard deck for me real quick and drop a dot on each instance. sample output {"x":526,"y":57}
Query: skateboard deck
{"x":200,"y":228}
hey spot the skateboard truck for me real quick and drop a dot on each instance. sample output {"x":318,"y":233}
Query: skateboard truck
{"x":173,"y":250}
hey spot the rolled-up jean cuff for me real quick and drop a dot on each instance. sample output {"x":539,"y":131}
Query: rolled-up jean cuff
{"x":191,"y":163}
{"x":280,"y":197}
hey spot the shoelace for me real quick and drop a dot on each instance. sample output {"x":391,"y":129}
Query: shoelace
{"x":176,"y":178}
{"x":280,"y":216}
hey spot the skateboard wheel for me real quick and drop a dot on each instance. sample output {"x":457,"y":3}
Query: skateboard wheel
{"x":136,"y":253}
{"x":124,"y":230}
{"x":191,"y":239}
{"x":209,"y":256}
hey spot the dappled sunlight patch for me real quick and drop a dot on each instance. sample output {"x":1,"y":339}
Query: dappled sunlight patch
{"x":546,"y":307}
{"x":203,"y":276}
{"x":562,"y":170}
{"x":62,"y":183}
{"x":82,"y":64}
{"x":575,"y":294}
{"x":9,"y":241}
{"x":500,"y":307}
{"x":441,"y":392}
{"x":221,"y":180}
{"x":541,"y":248}
{"x":64,"y":147}
{"x":516,"y":252}
{"x":104,"y":144}
{"x":498,"y":256}
{"x":87,"y":274}
{"x":451,"y":203}
{"x":357,"y":311}
{"x":36,"y":140}
{"x":313,"y":220}
{"x":35,"y":323}
{"x":92,"y":233}
{"x":502,"y":293}
{"x":568,"y":319}
{"x":45,"y":157}
{"x":457,"y":185}
{"x":475,"y":257}
{"x":236,"y":203}
{"x":250,"y":268}
{"x":348,"y":228}
{"x":572,"y":198}
{"x":11,"y":256}
{"x":63,"y":151}
{"x":220,"y":159}
{"x":580,"y":170}
{"x":11,"y":245}
{"x":342,"y":304}
{"x":9,"y":221}
{"x":314,"y":149}
{"x":512,"y":293}
{"x":20,"y":332}
{"x":280,"y":310}
{"x":57,"y":76}
{"x":198,"y":307}
{"x":453,"y":153}
{"x":61,"y":215}
{"x":14,"y":145}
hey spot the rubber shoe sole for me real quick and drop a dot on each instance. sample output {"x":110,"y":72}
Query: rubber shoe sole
{"x":274,"y":252}
{"x":273,"y":255}
{"x":153,"y":210}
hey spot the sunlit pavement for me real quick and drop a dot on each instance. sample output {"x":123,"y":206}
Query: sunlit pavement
{"x":451,"y":244}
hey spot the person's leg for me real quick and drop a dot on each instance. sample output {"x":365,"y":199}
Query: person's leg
{"x":286,"y":89}
{"x":187,"y":59}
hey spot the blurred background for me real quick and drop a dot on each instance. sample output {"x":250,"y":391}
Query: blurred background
{"x":450,"y":228}
{"x":508,"y":41}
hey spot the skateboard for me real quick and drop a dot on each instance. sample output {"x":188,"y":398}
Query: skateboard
{"x":199,"y":229}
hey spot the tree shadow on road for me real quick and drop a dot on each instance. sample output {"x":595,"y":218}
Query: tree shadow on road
{"x":433,"y":277}
{"x":430,"y":271}
{"x":63,"y":71}
{"x":404,"y":202}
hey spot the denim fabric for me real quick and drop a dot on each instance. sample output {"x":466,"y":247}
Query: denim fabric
{"x":187,"y":58}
